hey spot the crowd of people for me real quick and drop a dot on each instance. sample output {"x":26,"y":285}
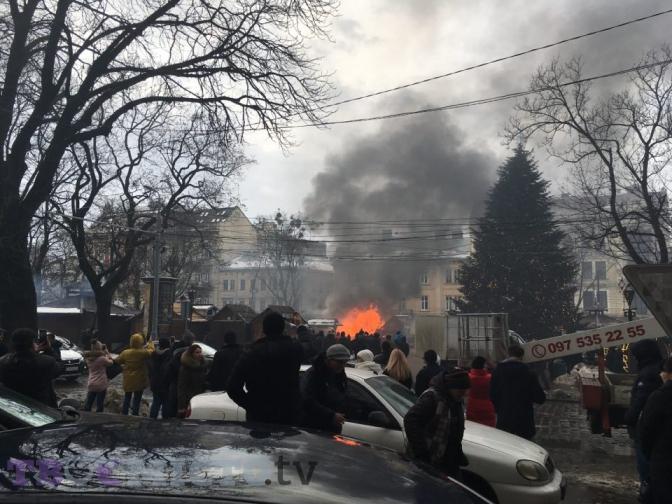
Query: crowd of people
{"x":265,"y":380}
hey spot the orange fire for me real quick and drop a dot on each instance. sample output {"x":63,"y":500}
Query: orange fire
{"x":359,"y":319}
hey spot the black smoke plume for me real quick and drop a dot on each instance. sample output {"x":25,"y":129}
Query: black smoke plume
{"x":411,"y":170}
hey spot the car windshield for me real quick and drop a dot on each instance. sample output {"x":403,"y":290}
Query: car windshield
{"x":66,"y":343}
{"x":26,"y":410}
{"x":208,"y":351}
{"x":397,"y":396}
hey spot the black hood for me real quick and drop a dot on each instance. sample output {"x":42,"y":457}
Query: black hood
{"x":646,"y":352}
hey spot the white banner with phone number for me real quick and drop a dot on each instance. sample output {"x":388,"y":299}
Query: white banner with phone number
{"x":594,"y":339}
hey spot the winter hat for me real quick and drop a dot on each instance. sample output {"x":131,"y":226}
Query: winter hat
{"x":365,"y":356}
{"x":338,"y":352}
{"x":164,"y":343}
{"x":456,"y":378}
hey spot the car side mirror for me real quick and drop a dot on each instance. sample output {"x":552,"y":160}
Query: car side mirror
{"x":379,"y":419}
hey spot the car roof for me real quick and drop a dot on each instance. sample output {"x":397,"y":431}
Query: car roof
{"x":349,"y":371}
{"x":227,"y":460}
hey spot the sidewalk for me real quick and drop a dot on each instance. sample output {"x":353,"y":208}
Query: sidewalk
{"x":599,"y":470}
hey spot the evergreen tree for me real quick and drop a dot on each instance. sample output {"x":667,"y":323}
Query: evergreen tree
{"x":519,"y":264}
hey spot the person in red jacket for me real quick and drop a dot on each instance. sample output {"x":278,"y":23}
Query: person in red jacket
{"x":479,"y":406}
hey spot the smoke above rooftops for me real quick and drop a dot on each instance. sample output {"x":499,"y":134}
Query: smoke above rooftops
{"x":397,"y":184}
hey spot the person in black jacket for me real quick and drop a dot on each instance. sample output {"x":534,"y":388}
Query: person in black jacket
{"x":158,"y":369}
{"x":649,"y":359}
{"x":514,"y":389}
{"x":323,"y":389}
{"x":384,"y":356}
{"x":4,"y":349}
{"x":223,"y":362}
{"x":28,"y":372}
{"x":307,"y":344}
{"x":345,"y":341}
{"x":428,"y":372}
{"x":359,"y":344}
{"x":270,"y":373}
{"x":655,"y":435}
{"x":435,"y":423}
{"x":169,"y":408}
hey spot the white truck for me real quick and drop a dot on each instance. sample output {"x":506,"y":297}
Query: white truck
{"x":458,"y":338}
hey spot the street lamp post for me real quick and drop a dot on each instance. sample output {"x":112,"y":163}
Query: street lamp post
{"x":629,"y":295}
{"x":191,"y":294}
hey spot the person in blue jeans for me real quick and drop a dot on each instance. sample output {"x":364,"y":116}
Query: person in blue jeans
{"x":132,"y":402}
{"x":135,"y":380}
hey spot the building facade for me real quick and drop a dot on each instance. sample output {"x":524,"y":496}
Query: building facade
{"x":439,"y":289}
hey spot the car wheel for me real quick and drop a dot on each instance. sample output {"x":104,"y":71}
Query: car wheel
{"x":479,"y":485}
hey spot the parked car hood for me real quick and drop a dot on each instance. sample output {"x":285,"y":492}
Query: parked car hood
{"x":503,"y":442}
{"x":203,"y":459}
{"x":70,"y":355}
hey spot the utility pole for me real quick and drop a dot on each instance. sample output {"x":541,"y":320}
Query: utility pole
{"x":157,"y":280}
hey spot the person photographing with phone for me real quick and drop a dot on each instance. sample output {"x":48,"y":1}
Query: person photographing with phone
{"x":98,"y":359}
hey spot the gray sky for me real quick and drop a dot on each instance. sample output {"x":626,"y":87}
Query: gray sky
{"x":382,"y":43}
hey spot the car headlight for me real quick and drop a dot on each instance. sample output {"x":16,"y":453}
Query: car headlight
{"x":532,"y":471}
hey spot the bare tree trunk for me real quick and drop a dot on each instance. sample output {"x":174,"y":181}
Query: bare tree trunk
{"x":17,"y":291}
{"x":103,"y":313}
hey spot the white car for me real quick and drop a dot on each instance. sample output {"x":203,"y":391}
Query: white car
{"x":72,"y":359}
{"x":505,"y":468}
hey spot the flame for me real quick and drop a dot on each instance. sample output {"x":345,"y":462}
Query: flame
{"x":358,"y":319}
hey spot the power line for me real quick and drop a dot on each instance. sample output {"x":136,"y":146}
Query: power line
{"x":499,"y":60}
{"x":481,"y":101}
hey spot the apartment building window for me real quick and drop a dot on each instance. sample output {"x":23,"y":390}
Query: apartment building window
{"x":587,"y":270}
{"x":589,"y":301}
{"x":205,"y":277}
{"x":228,"y":284}
{"x":242,"y":284}
{"x":600,"y":270}
{"x":253,"y":284}
{"x":449,"y":275}
{"x":387,"y":234}
{"x":424,"y":303}
{"x":424,"y":278}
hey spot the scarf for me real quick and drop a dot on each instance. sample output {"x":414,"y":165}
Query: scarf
{"x":447,"y":425}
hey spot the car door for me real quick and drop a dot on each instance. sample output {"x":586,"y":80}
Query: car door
{"x":360,"y":403}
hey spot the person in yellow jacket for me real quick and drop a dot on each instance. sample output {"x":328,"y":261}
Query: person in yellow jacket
{"x":133,"y":361}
